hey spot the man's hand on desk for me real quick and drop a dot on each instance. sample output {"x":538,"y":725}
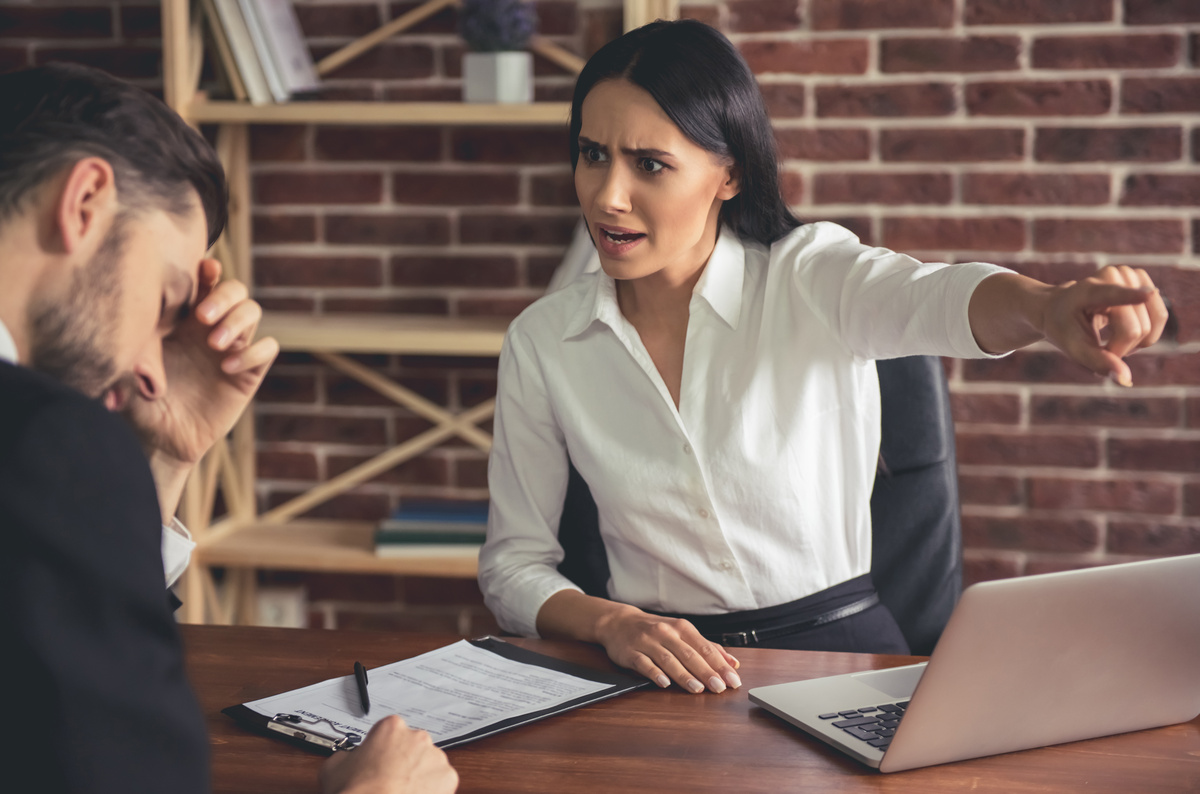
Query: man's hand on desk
{"x":213,"y":368}
{"x":393,"y":759}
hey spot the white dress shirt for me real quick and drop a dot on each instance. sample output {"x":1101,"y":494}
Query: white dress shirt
{"x":756,"y":491}
{"x":177,"y":543}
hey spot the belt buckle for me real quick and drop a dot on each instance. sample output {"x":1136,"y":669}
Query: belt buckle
{"x":739,"y":639}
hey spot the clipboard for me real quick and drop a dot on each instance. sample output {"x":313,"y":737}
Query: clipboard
{"x":323,"y":736}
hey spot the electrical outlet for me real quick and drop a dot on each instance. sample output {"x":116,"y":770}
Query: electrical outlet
{"x":285,"y":607}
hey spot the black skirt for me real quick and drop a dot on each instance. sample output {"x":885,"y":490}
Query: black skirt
{"x":846,"y":617}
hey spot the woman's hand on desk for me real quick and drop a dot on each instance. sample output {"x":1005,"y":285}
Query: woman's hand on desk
{"x":393,"y":759}
{"x":662,"y":649}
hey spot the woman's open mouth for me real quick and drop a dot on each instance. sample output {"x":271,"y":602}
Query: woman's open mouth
{"x":616,"y":241}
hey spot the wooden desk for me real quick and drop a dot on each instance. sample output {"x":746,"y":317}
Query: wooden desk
{"x":647,"y":741}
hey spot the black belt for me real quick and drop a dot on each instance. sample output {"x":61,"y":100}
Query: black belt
{"x":741,"y":639}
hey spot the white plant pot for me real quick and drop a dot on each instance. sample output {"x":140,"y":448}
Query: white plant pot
{"x":505,"y":77}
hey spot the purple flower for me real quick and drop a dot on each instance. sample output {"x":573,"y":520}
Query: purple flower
{"x":496,"y":25}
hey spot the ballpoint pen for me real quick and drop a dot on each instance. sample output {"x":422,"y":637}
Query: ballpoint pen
{"x":360,"y":677}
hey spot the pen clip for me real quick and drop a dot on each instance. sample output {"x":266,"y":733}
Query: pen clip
{"x":289,"y":725}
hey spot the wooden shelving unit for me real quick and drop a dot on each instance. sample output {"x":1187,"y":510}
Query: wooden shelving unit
{"x":243,"y":541}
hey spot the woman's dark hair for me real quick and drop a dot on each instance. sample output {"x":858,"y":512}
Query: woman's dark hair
{"x":705,"y":87}
{"x":55,"y":115}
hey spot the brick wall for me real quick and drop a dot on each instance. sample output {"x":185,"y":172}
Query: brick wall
{"x":1054,"y":137}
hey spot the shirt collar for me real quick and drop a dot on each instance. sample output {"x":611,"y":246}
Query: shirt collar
{"x":720,"y":286}
{"x":8,"y":347}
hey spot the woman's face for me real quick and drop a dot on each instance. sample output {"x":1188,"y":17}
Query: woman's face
{"x":651,"y":197}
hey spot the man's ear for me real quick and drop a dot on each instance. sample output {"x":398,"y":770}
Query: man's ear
{"x":732,"y":184}
{"x":86,"y":205}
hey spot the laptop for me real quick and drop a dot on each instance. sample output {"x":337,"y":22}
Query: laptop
{"x":1023,"y":663}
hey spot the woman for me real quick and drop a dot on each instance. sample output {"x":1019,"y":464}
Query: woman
{"x":715,"y":384}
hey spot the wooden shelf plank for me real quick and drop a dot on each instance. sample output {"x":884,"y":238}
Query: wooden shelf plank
{"x":366,"y":333}
{"x":332,"y":546}
{"x":536,"y":113}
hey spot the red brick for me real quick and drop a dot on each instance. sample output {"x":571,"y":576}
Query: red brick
{"x":971,"y":54}
{"x":973,"y":408}
{"x":388,"y":229}
{"x":438,"y":591}
{"x":318,"y":188}
{"x":814,"y":56}
{"x":1106,"y":52}
{"x":877,"y":188}
{"x":1158,"y":540}
{"x":352,"y":506}
{"x":561,"y":92}
{"x":444,"y":21}
{"x":524,"y":229}
{"x":1105,"y":411}
{"x":278,"y":388}
{"x":1032,"y":534}
{"x":138,"y":22}
{"x":1035,"y":189}
{"x":1160,"y":95}
{"x":459,"y":363}
{"x":885,"y":101}
{"x":1036,"y":12}
{"x":277,"y":143}
{"x":823,"y":144}
{"x":393,"y":144}
{"x":455,"y":271}
{"x":351,"y":21}
{"x":333,"y":92}
{"x":784,"y":100}
{"x":474,"y":390}
{"x":952,"y":145}
{"x":985,"y":567}
{"x":383,"y":62}
{"x":1181,"y":286}
{"x":1150,"y":454}
{"x":425,"y":470}
{"x":751,"y":16}
{"x":709,"y":15}
{"x":1053,"y":272}
{"x":493,"y":307}
{"x":127,"y":62}
{"x":1123,"y":496}
{"x":1116,"y":237}
{"x":980,"y":489}
{"x":55,"y":23}
{"x":954,"y":234}
{"x":286,"y":465}
{"x":1194,"y":46}
{"x":471,"y":473}
{"x":602,"y":25}
{"x":432,"y":306}
{"x":1172,"y":369}
{"x":1039,"y":98}
{"x":317,"y":271}
{"x":556,"y":190}
{"x":1161,"y":190}
{"x":1108,"y":144}
{"x":791,"y":185}
{"x":284,"y":228}
{"x":1000,"y":449}
{"x":274,"y":304}
{"x":860,"y":226}
{"x":1025,"y":366}
{"x":458,"y":189}
{"x":880,"y":14}
{"x":342,"y":390}
{"x":1191,"y":499}
{"x":350,"y":587}
{"x":491,"y":145}
{"x":423,"y":93}
{"x":539,"y":270}
{"x":557,"y":17}
{"x":1157,"y":12}
{"x":1196,"y":145}
{"x":322,"y":428}
{"x":1058,"y":564}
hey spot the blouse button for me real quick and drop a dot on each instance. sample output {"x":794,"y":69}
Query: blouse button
{"x":726,"y":565}
{"x":703,"y":513}
{"x":687,"y":449}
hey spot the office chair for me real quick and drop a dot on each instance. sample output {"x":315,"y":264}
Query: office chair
{"x":916,"y":558}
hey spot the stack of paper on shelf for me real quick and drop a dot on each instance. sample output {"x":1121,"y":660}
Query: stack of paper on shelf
{"x":262,"y":49}
{"x":433,"y":529}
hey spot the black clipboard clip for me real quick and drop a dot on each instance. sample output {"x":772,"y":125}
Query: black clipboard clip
{"x":292,"y":726}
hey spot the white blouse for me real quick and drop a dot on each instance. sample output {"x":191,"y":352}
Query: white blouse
{"x":756,"y":491}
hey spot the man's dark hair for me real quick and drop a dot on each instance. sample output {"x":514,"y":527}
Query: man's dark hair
{"x":703,"y":84}
{"x":55,"y":115}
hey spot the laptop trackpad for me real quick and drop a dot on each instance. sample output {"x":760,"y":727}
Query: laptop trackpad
{"x":899,"y":682}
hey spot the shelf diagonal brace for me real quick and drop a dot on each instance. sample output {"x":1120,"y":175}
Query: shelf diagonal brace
{"x":405,"y":397}
{"x":379,"y":464}
{"x":361,"y":45}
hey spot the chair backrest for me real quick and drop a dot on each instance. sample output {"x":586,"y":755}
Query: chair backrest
{"x":916,"y":558}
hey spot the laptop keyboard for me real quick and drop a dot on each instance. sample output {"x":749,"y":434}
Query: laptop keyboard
{"x":874,"y":725}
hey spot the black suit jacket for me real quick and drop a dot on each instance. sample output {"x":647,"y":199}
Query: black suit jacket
{"x":91,"y":668}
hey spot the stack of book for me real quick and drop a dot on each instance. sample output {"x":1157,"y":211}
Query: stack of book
{"x":433,"y":529}
{"x":261,"y":48}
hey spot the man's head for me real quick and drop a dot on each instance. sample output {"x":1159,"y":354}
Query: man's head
{"x":108,"y":201}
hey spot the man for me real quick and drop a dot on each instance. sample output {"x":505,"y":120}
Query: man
{"x":108,"y":202}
